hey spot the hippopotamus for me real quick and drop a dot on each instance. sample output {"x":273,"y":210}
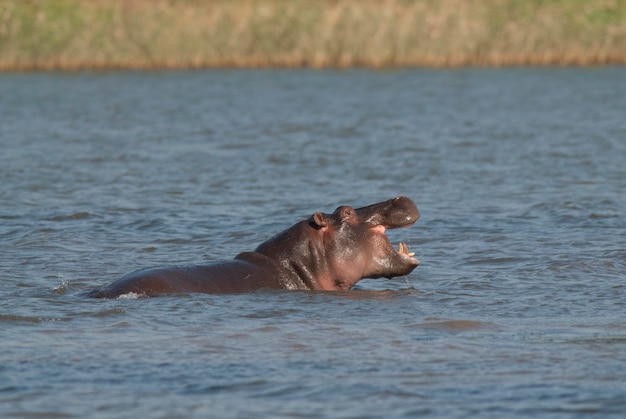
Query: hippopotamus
{"x":329,"y":252}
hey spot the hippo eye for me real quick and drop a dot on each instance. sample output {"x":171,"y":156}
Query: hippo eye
{"x":347,"y":213}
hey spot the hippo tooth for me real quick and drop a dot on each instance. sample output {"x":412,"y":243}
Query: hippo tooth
{"x":404,"y":249}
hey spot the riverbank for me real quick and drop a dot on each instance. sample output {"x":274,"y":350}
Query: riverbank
{"x":74,"y":34}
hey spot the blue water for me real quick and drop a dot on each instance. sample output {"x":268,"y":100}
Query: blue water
{"x":517,"y":309}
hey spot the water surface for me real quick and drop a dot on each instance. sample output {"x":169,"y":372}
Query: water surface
{"x":517,"y":309}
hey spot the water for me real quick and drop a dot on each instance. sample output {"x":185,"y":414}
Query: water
{"x":518,"y":308}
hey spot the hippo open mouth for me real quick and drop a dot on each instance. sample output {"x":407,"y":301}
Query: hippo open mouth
{"x":403,"y":248}
{"x":399,"y":212}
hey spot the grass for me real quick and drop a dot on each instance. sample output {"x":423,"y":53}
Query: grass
{"x":78,"y":34}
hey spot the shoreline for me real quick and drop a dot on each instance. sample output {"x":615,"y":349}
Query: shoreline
{"x":183,"y":67}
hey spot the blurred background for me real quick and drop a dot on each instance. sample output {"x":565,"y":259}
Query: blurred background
{"x":76,"y":34}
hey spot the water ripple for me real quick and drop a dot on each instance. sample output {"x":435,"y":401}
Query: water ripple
{"x":516,"y":309}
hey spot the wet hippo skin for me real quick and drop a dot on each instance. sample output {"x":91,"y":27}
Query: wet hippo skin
{"x":324,"y":252}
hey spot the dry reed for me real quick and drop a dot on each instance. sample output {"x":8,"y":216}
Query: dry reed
{"x":77,"y":34}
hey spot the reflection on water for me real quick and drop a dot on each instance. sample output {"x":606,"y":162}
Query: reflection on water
{"x":516,"y":309}
{"x":454,"y":325}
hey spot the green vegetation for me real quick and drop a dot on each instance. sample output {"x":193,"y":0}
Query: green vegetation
{"x":74,"y":34}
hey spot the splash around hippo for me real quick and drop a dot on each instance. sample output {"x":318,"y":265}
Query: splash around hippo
{"x":324,"y":252}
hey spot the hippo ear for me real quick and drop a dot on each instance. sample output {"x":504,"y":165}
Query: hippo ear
{"x":319,"y":220}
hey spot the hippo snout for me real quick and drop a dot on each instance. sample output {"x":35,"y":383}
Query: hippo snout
{"x":395,"y":213}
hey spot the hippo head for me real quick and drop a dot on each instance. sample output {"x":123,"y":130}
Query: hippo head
{"x":335,"y":251}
